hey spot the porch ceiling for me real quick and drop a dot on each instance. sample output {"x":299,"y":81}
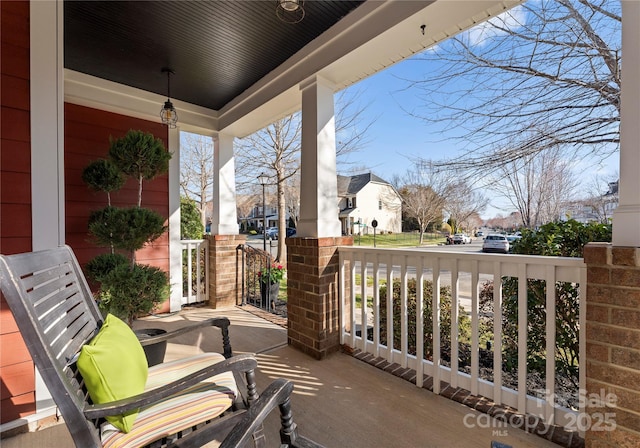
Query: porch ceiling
{"x":218,"y":49}
{"x":237,"y":67}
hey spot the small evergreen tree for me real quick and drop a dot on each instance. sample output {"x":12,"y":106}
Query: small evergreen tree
{"x":127,"y":289}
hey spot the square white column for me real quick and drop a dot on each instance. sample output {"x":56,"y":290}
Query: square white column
{"x":47,"y":124}
{"x":175,"y":248}
{"x":626,"y":218}
{"x":318,"y":180}
{"x":225,"y":215}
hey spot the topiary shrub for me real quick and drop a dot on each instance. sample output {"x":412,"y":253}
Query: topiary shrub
{"x":103,"y":264}
{"x":127,"y":290}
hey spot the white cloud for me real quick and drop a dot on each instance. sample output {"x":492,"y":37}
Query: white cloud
{"x":512,"y":19}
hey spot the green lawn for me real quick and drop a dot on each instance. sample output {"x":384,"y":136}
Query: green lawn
{"x":409,"y":239}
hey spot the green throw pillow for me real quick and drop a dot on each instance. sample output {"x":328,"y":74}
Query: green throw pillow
{"x":113,"y":366}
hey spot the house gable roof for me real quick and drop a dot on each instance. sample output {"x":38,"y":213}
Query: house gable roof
{"x":351,"y":185}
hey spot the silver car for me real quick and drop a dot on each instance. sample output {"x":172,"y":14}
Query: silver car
{"x":495,"y":243}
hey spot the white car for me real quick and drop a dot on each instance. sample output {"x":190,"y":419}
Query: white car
{"x":461,"y":238}
{"x":495,"y":243}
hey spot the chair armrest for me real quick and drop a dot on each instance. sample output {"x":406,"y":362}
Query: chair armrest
{"x":220,"y":322}
{"x":278,"y":393}
{"x":240,"y":363}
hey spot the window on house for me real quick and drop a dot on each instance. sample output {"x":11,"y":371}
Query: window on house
{"x":379,"y":205}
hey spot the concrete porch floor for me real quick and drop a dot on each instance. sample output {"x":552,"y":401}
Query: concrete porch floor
{"x":338,"y":402}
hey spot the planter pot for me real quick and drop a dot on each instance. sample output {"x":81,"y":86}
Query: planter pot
{"x":273,"y":289}
{"x":154,"y":352}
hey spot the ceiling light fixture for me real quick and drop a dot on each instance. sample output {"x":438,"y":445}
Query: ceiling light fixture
{"x":290,"y":11}
{"x":168,"y":113}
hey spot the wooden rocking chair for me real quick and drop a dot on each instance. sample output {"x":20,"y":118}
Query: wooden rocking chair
{"x":184,"y":403}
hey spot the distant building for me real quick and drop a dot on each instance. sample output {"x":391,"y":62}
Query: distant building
{"x":595,"y":209}
{"x":364,"y":198}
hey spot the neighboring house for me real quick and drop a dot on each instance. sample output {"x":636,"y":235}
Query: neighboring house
{"x":595,"y":209}
{"x":365,"y":197}
{"x":256,"y":217}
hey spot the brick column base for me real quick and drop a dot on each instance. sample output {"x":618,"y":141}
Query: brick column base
{"x":313,"y":305}
{"x":613,"y":344}
{"x":224,"y":281}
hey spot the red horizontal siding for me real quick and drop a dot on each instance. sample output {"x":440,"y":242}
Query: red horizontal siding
{"x":14,"y":350}
{"x":87,"y":135}
{"x":7,"y":322}
{"x":16,"y":157}
{"x":18,"y":379}
{"x":14,"y":408}
{"x":15,"y":59}
{"x":16,"y":367}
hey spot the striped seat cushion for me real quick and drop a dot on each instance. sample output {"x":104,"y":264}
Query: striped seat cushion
{"x":201,"y":402}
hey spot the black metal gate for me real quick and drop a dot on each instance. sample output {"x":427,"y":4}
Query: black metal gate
{"x":250,"y":263}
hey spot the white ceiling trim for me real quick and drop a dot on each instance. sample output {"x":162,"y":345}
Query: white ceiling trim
{"x":90,"y":91}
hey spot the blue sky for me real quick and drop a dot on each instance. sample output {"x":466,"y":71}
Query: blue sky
{"x":395,"y":135}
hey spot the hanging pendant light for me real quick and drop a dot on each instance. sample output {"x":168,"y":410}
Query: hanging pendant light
{"x":168,"y":113}
{"x":290,"y":11}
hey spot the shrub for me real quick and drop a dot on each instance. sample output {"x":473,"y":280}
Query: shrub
{"x":190,"y":221}
{"x":554,"y":239}
{"x":127,"y":291}
{"x":126,"y":228}
{"x":103,"y":264}
{"x":464,"y":324}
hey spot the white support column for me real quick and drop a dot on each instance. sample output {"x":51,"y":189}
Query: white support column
{"x":47,"y":124}
{"x":225,"y":215}
{"x":626,"y":218}
{"x":47,"y":143}
{"x":175,"y":248}
{"x":318,"y":180}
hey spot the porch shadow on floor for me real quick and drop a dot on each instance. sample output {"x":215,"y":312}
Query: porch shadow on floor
{"x":339,"y":401}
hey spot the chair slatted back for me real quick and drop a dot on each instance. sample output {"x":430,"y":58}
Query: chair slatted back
{"x":56,"y":314}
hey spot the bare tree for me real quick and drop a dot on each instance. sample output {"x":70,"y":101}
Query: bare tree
{"x":292,"y":198}
{"x":538,"y":186}
{"x":245,"y":203}
{"x":424,"y":192}
{"x":463,"y":203}
{"x":276,"y":151}
{"x":602,"y":194}
{"x":549,"y":69}
{"x":196,"y":170}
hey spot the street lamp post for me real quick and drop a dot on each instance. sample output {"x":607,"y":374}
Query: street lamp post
{"x":263,"y":178}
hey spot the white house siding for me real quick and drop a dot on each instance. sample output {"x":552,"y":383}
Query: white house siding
{"x":389,"y":217}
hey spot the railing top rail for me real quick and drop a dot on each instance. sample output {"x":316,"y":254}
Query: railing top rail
{"x":191,"y":241}
{"x":479,"y":256}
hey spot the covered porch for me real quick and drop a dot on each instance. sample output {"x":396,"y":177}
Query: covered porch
{"x":341,"y":401}
{"x":53,"y":111}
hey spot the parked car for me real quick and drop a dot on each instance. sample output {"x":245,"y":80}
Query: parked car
{"x":495,"y":243}
{"x":512,"y":239}
{"x":461,"y":238}
{"x":271,"y":233}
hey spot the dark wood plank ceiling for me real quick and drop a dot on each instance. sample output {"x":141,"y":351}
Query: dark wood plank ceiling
{"x":217,"y":48}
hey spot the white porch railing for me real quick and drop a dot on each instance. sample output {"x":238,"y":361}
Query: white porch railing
{"x":195,"y":271}
{"x":464,"y":273}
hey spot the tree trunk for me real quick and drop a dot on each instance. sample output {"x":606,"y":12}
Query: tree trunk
{"x":282,"y":223}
